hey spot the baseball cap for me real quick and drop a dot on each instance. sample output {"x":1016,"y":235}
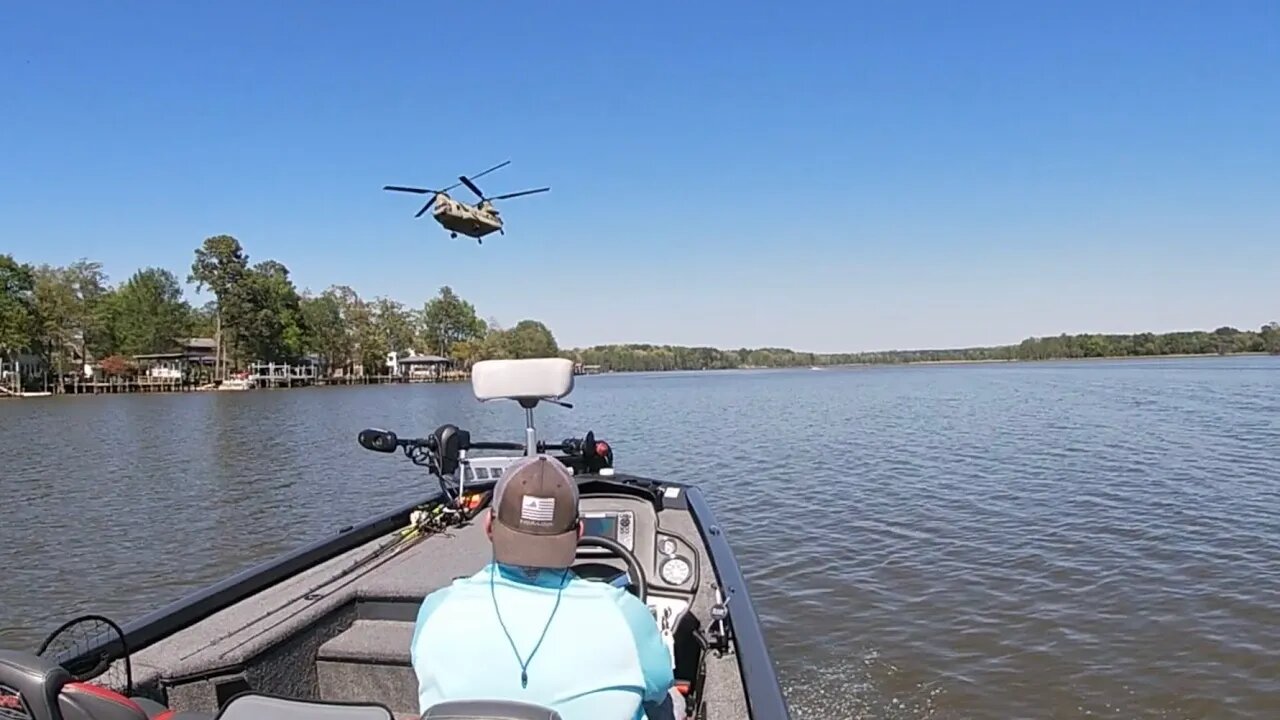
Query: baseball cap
{"x":535,"y":514}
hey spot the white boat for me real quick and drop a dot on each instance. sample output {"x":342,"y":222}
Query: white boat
{"x":236,"y":384}
{"x":39,"y":393}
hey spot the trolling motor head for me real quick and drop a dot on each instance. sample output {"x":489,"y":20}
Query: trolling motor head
{"x":528,"y":382}
{"x":450,"y":441}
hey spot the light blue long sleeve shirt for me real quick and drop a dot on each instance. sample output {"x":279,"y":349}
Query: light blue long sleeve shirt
{"x":602,"y":656}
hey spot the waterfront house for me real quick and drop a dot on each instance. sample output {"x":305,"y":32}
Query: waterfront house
{"x":191,"y":360}
{"x":422,"y":368}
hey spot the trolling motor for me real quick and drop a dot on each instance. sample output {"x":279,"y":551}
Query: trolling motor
{"x":528,"y":382}
{"x":444,"y":451}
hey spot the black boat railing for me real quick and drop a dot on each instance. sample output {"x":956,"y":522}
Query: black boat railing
{"x":765,"y":700}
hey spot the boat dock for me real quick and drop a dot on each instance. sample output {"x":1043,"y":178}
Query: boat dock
{"x":192,"y":367}
{"x":260,"y":376}
{"x":6,"y":392}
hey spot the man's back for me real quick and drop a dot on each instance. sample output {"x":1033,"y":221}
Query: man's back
{"x":589,"y":650}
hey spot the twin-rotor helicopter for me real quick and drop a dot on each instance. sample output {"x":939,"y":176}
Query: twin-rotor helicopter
{"x":464,"y":218}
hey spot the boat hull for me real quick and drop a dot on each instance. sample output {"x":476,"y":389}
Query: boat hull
{"x":331,"y":620}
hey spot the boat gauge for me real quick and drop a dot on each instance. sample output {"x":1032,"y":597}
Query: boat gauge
{"x":675,"y":571}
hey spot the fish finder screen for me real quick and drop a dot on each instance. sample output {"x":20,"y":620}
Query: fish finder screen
{"x":600,"y":527}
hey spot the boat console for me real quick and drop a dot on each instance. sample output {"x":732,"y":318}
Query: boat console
{"x":662,"y":545}
{"x":667,"y":559}
{"x":667,"y":554}
{"x":326,"y":630}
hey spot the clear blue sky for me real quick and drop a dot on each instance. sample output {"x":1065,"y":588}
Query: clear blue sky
{"x":832,"y":176}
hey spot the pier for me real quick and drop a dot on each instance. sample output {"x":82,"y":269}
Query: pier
{"x":191,"y":366}
{"x":267,"y":377}
{"x":281,"y":375}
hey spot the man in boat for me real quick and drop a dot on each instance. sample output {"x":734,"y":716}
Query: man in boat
{"x":526,"y":628}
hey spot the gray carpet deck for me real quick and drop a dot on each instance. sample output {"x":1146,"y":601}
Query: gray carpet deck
{"x":247,"y":628}
{"x":286,"y":628}
{"x":384,"y":641}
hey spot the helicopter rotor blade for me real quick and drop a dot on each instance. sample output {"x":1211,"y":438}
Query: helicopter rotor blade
{"x":518,"y":194}
{"x":401,"y":188}
{"x":471,"y":186}
{"x":495,"y":167}
{"x":427,"y":206}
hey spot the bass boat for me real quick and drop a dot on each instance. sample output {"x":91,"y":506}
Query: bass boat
{"x":323,"y":633}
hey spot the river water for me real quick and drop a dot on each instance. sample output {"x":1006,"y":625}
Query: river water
{"x":1048,"y":540}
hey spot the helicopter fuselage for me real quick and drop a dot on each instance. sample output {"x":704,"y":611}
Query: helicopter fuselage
{"x":461,"y":218}
{"x":464,"y":219}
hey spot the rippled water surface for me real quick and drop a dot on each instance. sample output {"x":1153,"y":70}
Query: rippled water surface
{"x":1050,"y":540}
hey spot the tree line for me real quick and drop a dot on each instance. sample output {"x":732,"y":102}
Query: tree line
{"x":64,"y":315}
{"x":1224,"y":340}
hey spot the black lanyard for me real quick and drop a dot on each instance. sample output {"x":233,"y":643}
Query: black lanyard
{"x":524,"y":663}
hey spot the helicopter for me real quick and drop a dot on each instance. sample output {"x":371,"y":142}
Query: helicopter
{"x":456,"y":216}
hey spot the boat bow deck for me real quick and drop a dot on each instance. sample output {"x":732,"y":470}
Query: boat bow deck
{"x":341,"y":629}
{"x":225,"y":640}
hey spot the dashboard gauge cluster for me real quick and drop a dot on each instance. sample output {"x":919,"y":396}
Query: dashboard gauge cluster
{"x":673,"y":559}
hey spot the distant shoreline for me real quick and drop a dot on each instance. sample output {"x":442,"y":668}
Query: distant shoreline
{"x":1223,"y":341}
{"x":991,"y":361}
{"x":1005,"y":361}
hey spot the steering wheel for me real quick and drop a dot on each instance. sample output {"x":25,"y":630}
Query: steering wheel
{"x":622,"y":553}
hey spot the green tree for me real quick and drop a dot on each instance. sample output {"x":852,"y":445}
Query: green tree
{"x":379,"y":327}
{"x":92,"y":291}
{"x":204,"y":320}
{"x":148,"y":313}
{"x":467,"y":352}
{"x":493,"y":346}
{"x":1271,"y":338}
{"x":530,"y":339}
{"x":70,"y":312}
{"x":52,"y":302}
{"x":366,"y":346}
{"x":393,"y":324}
{"x":1224,"y":339}
{"x":222,"y":266}
{"x":448,"y":319}
{"x":17,"y":312}
{"x":326,"y":332}
{"x":271,"y":328}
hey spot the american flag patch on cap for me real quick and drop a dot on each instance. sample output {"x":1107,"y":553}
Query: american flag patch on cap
{"x":537,"y":509}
